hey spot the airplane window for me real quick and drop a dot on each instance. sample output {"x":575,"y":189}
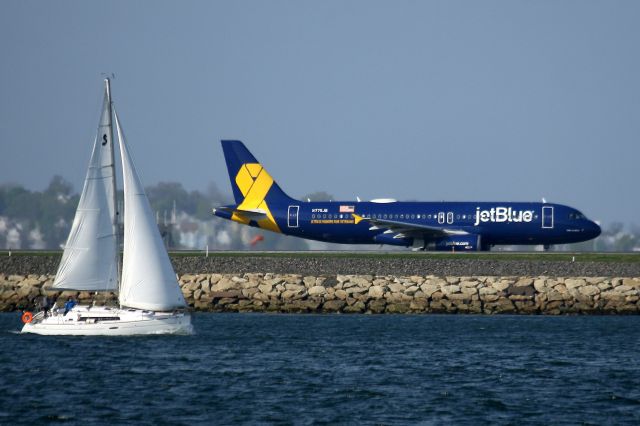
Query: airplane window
{"x":417,"y":216}
{"x":535,"y":217}
{"x":324,"y":216}
{"x":413,"y":216}
{"x":429,"y":216}
{"x":313,"y":216}
{"x":396,"y":216}
{"x":457,"y":216}
{"x":385,"y":216}
{"x":401,"y":216}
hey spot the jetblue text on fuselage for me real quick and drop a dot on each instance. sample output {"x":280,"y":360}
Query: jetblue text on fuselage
{"x":502,"y":214}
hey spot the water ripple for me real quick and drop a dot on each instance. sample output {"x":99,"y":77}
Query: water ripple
{"x":331,"y":369}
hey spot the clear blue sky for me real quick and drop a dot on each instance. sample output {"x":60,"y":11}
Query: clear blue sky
{"x":421,"y":100}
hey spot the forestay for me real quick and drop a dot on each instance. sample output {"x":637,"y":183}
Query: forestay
{"x":89,"y":260}
{"x":148,"y":279}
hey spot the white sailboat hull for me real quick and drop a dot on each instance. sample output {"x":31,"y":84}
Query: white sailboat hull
{"x":105,"y":321}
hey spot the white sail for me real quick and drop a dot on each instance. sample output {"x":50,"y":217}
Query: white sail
{"x":89,"y":260}
{"x":148,"y":279}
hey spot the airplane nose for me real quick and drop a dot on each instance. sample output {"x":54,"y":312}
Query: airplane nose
{"x":595,"y":230}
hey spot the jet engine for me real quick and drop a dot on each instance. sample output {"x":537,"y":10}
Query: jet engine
{"x":391,"y":240}
{"x":456,"y":243}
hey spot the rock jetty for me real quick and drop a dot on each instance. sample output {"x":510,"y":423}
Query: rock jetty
{"x":376,"y":294}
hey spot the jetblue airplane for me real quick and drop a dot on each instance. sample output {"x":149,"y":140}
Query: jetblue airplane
{"x":437,"y":226}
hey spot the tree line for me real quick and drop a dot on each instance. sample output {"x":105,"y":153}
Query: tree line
{"x":42,"y":220}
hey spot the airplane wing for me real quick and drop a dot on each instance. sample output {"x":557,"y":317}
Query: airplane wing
{"x":251,"y":214}
{"x":404,"y":229}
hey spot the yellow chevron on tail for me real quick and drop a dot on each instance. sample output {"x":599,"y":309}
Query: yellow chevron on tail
{"x":254,"y":183}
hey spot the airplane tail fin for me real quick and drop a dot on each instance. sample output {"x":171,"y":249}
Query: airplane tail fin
{"x":253,"y":187}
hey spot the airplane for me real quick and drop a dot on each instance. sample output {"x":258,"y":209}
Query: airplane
{"x":432,"y":226}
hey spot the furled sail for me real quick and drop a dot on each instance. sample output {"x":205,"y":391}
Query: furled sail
{"x":89,"y":261}
{"x":148,"y":279}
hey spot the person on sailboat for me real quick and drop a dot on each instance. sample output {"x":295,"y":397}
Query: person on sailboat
{"x":69,"y":305}
{"x":45,"y":305}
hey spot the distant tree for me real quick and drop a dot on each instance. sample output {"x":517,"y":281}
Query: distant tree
{"x":57,"y":206}
{"x":50,"y":211}
{"x":614,"y":229}
{"x":163,"y":195}
{"x":216,"y":196}
{"x":59,"y":187}
{"x":18,"y":202}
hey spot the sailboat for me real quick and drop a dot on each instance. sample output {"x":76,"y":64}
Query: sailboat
{"x":149,"y":296}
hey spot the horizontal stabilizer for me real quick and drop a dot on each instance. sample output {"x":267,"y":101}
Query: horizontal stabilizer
{"x":251,"y":214}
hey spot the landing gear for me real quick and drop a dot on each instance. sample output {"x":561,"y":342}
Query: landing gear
{"x":546,"y":247}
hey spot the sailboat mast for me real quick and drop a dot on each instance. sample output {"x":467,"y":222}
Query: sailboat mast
{"x":107,"y":83}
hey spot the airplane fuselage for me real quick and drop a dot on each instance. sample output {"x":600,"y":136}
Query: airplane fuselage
{"x":481,"y":224}
{"x":456,"y":226}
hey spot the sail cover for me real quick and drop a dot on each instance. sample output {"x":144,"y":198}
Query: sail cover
{"x":148,"y":279}
{"x":89,"y":260}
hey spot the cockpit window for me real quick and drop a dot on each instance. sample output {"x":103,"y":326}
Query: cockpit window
{"x":576,"y":216}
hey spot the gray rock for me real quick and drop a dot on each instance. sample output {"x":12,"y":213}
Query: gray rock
{"x":341,"y":294}
{"x":375,"y":292}
{"x":265,"y":288}
{"x":333,"y":305}
{"x":317,"y":290}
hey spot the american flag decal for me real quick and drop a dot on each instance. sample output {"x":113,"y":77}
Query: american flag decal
{"x":347,"y":209}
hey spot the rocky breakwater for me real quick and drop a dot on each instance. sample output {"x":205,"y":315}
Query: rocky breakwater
{"x":18,"y":292}
{"x":370,"y":294}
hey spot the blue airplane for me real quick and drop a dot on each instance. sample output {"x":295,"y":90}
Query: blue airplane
{"x":433,"y":226}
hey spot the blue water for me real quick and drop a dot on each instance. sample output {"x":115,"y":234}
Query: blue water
{"x":331,"y":369}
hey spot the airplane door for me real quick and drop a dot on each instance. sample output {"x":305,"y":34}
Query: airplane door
{"x":292,"y":221}
{"x":450,"y":218}
{"x":547,"y":217}
{"x":441,"y":217}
